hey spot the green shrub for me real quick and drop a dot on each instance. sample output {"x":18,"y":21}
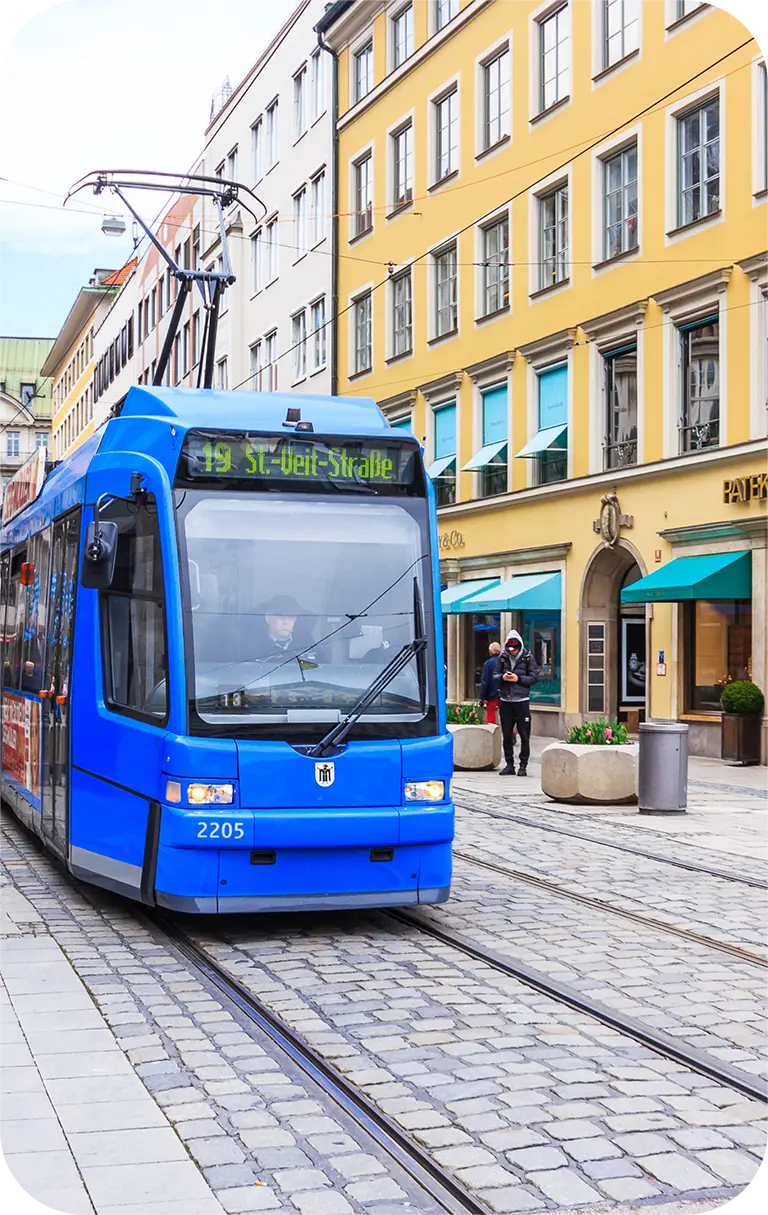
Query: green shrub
{"x":465,"y":715}
{"x":598,"y":733}
{"x":742,"y":696}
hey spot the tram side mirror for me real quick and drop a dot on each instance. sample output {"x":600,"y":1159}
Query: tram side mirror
{"x":99,"y":556}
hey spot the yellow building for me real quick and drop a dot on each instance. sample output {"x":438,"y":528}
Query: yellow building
{"x":552,"y":266}
{"x":70,"y":361}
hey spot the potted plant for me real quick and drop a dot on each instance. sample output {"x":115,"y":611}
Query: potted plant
{"x":742,"y":704}
{"x":476,"y":746}
{"x":596,"y":765}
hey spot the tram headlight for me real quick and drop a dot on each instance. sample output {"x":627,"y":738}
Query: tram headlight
{"x":199,"y":794}
{"x":425,"y":791}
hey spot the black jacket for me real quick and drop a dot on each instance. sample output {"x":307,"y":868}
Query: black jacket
{"x":524,"y":666}
{"x":488,"y":689}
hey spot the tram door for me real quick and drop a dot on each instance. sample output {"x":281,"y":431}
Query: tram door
{"x":57,"y":684}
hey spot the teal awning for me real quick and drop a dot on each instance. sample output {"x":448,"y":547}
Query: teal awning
{"x":484,"y":456}
{"x":438,"y":467}
{"x":523,"y":593}
{"x":543,"y":441}
{"x":714,"y":576}
{"x":453,"y":598}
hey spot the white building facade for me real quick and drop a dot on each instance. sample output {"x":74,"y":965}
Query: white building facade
{"x":274,"y":134}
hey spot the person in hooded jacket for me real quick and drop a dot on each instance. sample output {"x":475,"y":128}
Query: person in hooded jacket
{"x":516,"y":673}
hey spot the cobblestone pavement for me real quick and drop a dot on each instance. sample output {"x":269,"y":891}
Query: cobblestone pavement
{"x":263,"y":1139}
{"x":530,"y":1105}
{"x":708,"y":905}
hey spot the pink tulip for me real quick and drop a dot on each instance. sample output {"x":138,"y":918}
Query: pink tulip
{"x":609,"y":733}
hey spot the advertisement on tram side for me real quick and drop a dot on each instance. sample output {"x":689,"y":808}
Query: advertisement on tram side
{"x":21,"y":741}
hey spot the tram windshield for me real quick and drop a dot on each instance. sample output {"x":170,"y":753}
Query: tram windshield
{"x":294,"y":604}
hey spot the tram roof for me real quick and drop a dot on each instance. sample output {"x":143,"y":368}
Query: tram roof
{"x":215,"y":409}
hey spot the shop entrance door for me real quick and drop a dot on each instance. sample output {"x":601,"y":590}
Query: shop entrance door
{"x":57,"y":683}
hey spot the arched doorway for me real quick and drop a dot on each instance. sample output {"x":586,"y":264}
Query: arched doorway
{"x":613,"y":638}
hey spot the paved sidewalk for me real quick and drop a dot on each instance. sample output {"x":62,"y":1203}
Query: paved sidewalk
{"x":726,"y":804}
{"x":79,"y":1130}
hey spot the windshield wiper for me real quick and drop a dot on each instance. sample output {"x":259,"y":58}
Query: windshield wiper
{"x":338,"y":733}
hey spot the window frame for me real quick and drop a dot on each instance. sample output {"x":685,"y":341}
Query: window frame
{"x":318,"y":228}
{"x":404,"y":132}
{"x":441,"y":19}
{"x":446,"y":250}
{"x":300,"y":218}
{"x":553,"y":14}
{"x":606,"y":160}
{"x":449,"y":97}
{"x":401,"y":308}
{"x":300,"y":116}
{"x":258,"y":135}
{"x":299,"y":345}
{"x":502,"y":55}
{"x":364,"y":298}
{"x":318,"y":334}
{"x":554,"y":194}
{"x":402,"y":14}
{"x":606,"y":64}
{"x":499,"y":220}
{"x":357,"y":56}
{"x":609,"y":357}
{"x":681,"y":117}
{"x":685,"y":427}
{"x":358,"y":229}
{"x":272,"y":145}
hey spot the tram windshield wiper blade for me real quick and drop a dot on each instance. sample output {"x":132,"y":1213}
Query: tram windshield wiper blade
{"x":339,"y":732}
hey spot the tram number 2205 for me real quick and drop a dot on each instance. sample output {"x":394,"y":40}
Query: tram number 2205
{"x":224,"y":831}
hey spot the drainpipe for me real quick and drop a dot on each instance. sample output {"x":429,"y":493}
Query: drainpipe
{"x":334,"y":213}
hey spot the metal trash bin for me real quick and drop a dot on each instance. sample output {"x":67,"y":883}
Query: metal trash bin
{"x":662,"y":785}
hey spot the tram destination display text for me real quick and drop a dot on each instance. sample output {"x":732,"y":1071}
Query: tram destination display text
{"x":272,"y":460}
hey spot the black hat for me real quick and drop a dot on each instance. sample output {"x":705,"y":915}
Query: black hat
{"x":282,"y":605}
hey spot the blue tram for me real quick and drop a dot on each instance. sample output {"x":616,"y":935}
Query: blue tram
{"x":222,"y":657}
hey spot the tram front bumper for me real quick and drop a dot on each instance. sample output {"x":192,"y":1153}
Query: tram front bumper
{"x":235,"y":860}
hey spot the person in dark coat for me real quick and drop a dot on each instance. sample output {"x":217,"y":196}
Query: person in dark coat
{"x":284,"y":630}
{"x":515,"y":674}
{"x":489,"y":696}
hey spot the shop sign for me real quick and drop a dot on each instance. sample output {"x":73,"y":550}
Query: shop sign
{"x":25,"y":485}
{"x":450,"y":540}
{"x":746,"y":489}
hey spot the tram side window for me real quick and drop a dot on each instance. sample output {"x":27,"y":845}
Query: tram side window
{"x":14,"y":622}
{"x":35,"y":593}
{"x":134,"y":616}
{"x":7,"y":618}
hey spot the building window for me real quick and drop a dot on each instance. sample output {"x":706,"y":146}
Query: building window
{"x":195,"y":343}
{"x":446,"y":291}
{"x":300,"y":102}
{"x":698,"y":136}
{"x":621,"y":30}
{"x":300,"y":222}
{"x":620,"y":186}
{"x":256,"y":353}
{"x":363,"y":71}
{"x":299,"y":343}
{"x":552,"y":459}
{"x":445,"y":11}
{"x":271,"y":251}
{"x":762,"y":76}
{"x":493,"y":475}
{"x":139,"y":319}
{"x":270,"y":342}
{"x":620,"y":444}
{"x":363,"y":221}
{"x":553,"y":237}
{"x":402,"y":156}
{"x":185,"y":348}
{"x":446,"y":135}
{"x":684,"y":8}
{"x":318,"y":84}
{"x":12,"y":438}
{"x":363,"y":333}
{"x":219,"y":171}
{"x":444,"y":468}
{"x":496,"y":100}
{"x":700,"y":420}
{"x":318,"y":334}
{"x":402,"y":314}
{"x":41,"y":439}
{"x":257,"y":260}
{"x":495,"y":268}
{"x":273,"y":134}
{"x":402,"y":35}
{"x":221,"y":374}
{"x":27,"y":394}
{"x":719,"y":649}
{"x":317,"y":208}
{"x":554,"y":58}
{"x":257,"y":148}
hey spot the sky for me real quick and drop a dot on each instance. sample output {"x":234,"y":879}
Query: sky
{"x":89,"y":84}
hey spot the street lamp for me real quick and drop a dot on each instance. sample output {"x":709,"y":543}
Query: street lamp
{"x":113,"y":225}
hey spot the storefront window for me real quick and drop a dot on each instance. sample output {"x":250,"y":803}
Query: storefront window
{"x":480,"y":632}
{"x":541,"y":635}
{"x":719,"y":640}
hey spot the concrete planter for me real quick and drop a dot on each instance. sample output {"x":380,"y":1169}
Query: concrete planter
{"x":476,"y":748}
{"x":586,"y":775}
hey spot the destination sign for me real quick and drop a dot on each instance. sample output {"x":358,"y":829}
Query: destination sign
{"x":303,"y":461}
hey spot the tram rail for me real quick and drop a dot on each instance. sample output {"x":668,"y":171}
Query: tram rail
{"x":664,"y":1044}
{"x":693,"y":866}
{"x":445,"y":1190}
{"x":736,"y":951}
